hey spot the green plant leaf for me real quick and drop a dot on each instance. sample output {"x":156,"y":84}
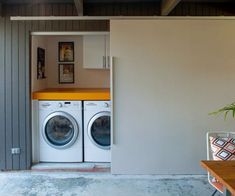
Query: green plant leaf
{"x":225,"y":110}
{"x":226,"y":114}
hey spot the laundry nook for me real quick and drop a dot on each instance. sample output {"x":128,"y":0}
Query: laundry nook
{"x":71,"y":107}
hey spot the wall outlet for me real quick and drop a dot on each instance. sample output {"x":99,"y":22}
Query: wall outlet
{"x":15,"y":151}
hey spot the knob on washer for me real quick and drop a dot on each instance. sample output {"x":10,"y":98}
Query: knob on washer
{"x":60,"y":105}
{"x":106,"y":105}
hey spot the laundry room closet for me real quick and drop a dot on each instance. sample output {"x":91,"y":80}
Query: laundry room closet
{"x":71,"y":108}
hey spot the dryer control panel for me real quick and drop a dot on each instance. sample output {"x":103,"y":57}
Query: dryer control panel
{"x":94,"y":105}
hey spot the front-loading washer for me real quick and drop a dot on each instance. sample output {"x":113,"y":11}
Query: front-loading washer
{"x":97,"y":131}
{"x":60,"y":127}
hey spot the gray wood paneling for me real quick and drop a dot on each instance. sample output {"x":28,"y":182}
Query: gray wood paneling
{"x":22,"y":94}
{"x":28,"y":96}
{"x":55,"y":12}
{"x":48,"y":10}
{"x":75,"y":24}
{"x":8,"y":94}
{"x":62,"y":10}
{"x":15,"y":91}
{"x":69,"y":11}
{"x":15,"y":99}
{"x":2,"y":96}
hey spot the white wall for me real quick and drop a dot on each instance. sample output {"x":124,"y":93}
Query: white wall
{"x":37,"y":41}
{"x":84,"y":78}
{"x":36,"y":85}
{"x":168,"y":75}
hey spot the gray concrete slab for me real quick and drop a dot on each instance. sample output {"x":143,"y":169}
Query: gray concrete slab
{"x":84,"y":165}
{"x":101,"y":184}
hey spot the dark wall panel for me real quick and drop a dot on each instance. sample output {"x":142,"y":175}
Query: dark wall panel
{"x":28,"y":149}
{"x":15,"y":99}
{"x":2,"y":96}
{"x":8,"y":93}
{"x":15,"y":91}
{"x":22,"y":93}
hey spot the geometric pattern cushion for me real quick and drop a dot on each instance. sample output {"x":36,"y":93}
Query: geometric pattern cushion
{"x":223,"y":148}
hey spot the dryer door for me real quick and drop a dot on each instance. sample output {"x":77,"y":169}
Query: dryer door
{"x":99,"y":130}
{"x":60,"y":130}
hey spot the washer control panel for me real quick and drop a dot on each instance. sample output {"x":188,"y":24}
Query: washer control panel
{"x":65,"y":104}
{"x":60,"y":105}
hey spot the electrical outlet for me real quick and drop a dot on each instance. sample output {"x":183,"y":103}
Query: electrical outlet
{"x":15,"y":151}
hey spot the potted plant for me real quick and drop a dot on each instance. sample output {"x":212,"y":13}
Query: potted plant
{"x":226,"y":110}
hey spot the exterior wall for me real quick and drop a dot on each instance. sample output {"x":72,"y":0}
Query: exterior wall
{"x":15,"y":86}
{"x":180,"y":71}
{"x":15,"y":99}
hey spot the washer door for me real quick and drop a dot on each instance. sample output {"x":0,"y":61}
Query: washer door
{"x":99,"y":130}
{"x":60,"y":130}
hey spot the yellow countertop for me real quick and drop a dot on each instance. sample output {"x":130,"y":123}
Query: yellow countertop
{"x":72,"y":94}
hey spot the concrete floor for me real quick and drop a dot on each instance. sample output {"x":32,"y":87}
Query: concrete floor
{"x":72,"y":167}
{"x":102,"y":184}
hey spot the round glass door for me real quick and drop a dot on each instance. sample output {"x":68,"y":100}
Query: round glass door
{"x":60,"y":130}
{"x":99,"y":130}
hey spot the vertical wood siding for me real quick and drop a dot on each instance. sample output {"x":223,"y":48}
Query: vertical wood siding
{"x":15,"y":99}
{"x":2,"y":96}
{"x":8,"y":93}
{"x":15,"y":91}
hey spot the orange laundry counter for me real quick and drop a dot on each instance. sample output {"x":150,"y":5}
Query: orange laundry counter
{"x":72,"y":94}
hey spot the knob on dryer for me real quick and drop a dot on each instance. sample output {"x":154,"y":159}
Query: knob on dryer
{"x":60,"y":105}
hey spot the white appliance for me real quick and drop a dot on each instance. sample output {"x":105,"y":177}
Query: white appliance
{"x":60,"y":127}
{"x":97,"y":131}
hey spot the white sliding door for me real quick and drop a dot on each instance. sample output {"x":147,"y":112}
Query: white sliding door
{"x":168,"y":75}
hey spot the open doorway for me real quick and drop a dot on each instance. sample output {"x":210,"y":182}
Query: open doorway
{"x":70,"y":80}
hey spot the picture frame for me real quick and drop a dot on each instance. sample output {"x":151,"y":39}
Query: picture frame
{"x":41,"y":63}
{"x":66,"y":52}
{"x":66,"y":73}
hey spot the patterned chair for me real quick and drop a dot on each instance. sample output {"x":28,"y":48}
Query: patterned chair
{"x":220,"y":146}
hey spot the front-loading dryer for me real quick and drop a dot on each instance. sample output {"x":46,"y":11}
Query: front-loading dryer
{"x":60,"y":127}
{"x":97,"y":131}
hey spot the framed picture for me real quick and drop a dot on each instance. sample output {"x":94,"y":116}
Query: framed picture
{"x":40,"y":63}
{"x":66,"y":51}
{"x":66,"y":73}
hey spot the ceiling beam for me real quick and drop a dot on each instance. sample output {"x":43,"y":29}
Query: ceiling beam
{"x":168,"y":6}
{"x":79,"y":7}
